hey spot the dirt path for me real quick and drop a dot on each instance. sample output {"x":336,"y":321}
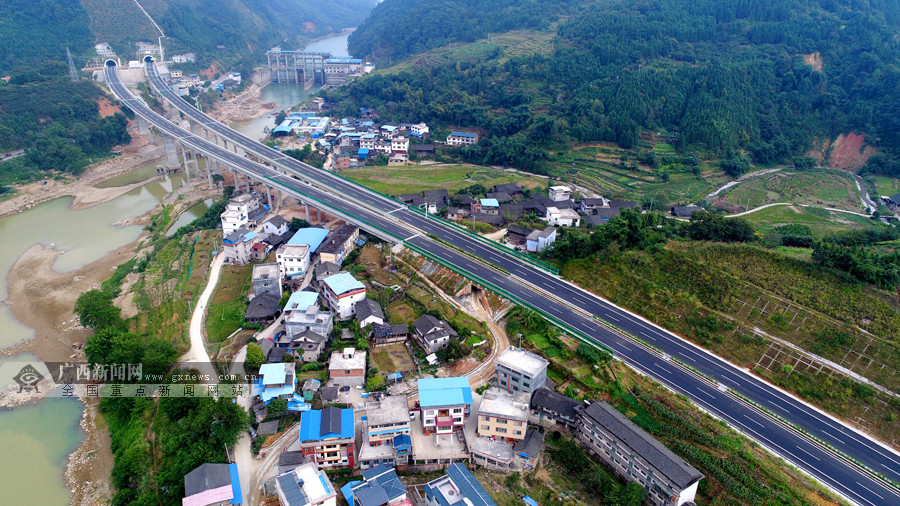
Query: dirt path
{"x":197,"y":356}
{"x":742,"y":179}
{"x":792,"y":204}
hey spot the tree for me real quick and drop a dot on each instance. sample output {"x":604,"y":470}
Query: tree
{"x":280,"y":117}
{"x":375,"y":384}
{"x":277,"y":406}
{"x":706,"y":226}
{"x":96,"y":310}
{"x":255,"y":357}
{"x":296,"y":224}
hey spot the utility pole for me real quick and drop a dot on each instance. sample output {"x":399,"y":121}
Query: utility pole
{"x":73,"y":72}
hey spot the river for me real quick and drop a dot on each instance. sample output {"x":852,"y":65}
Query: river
{"x":288,"y":95}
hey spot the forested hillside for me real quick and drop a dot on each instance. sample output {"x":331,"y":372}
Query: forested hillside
{"x":32,"y":31}
{"x":725,"y":77}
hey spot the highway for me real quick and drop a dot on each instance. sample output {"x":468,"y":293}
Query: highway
{"x":567,"y":304}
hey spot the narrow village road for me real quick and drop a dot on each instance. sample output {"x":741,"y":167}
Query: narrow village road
{"x":760,"y":208}
{"x":197,"y":357}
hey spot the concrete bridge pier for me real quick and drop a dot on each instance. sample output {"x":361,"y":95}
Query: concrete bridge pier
{"x":171,"y":152}
{"x":269,"y":195}
{"x":143,"y":126}
{"x":209,"y":163}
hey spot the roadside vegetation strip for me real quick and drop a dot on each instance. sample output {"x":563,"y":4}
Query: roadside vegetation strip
{"x":493,"y":244}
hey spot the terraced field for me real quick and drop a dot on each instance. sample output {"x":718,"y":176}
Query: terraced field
{"x":821,"y":221}
{"x":824,"y":187}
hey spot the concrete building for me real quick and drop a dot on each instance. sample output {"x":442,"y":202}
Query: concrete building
{"x":560,"y":193}
{"x":266,"y":278}
{"x":275,"y":381}
{"x":519,"y":370}
{"x":462,"y":138}
{"x":308,"y":345}
{"x":369,"y":312}
{"x":433,"y":334}
{"x":327,"y":436}
{"x":387,"y":419}
{"x":347,"y":368}
{"x":212,"y":485}
{"x":444,"y":403}
{"x":342,"y":291}
{"x":380,"y":487}
{"x":400,"y":145}
{"x":338,"y":70}
{"x":539,"y":240}
{"x":305,"y":485}
{"x":302,"y":313}
{"x":456,"y":488}
{"x":551,"y":408}
{"x":293,"y":259}
{"x":503,"y":415}
{"x":342,"y":161}
{"x":238,"y":245}
{"x":339,"y":244}
{"x":275,"y":225}
{"x":420,"y":130}
{"x":311,"y":236}
{"x":636,"y":456}
{"x":562,"y":217}
{"x":239,"y":211}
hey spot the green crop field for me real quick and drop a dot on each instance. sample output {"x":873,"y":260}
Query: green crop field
{"x":821,"y":221}
{"x":394,"y":180}
{"x":882,"y":185}
{"x":815,"y":187}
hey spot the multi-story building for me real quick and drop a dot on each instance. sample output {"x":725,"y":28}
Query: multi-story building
{"x":503,"y":415}
{"x":420,"y":130}
{"x":342,"y":161}
{"x":519,"y":370}
{"x":342,"y":291}
{"x":293,"y":259}
{"x":308,"y":345}
{"x":212,"y":485}
{"x":347,"y":368}
{"x":433,"y":334}
{"x":275,"y":380}
{"x":338,"y":69}
{"x":327,"y":436}
{"x":302,"y":313}
{"x":238,"y":245}
{"x":444,"y":403}
{"x":238,"y":212}
{"x":339,"y":244}
{"x":266,"y":278}
{"x":400,"y":145}
{"x":462,"y":138}
{"x":562,"y":217}
{"x":368,"y":141}
{"x":551,"y":408}
{"x":386,"y":433}
{"x":560,"y":193}
{"x":636,"y":456}
{"x":456,"y":488}
{"x":305,"y":485}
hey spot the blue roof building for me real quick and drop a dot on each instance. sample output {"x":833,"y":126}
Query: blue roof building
{"x":490,"y":203}
{"x":380,"y":486}
{"x":457,"y":487}
{"x":212,"y":484}
{"x":305,"y":485}
{"x":275,"y":380}
{"x":301,"y":301}
{"x":327,"y":437}
{"x":313,"y":236}
{"x":445,"y":403}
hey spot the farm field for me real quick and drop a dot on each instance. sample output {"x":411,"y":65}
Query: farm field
{"x":395,"y":180}
{"x":392,"y":358}
{"x":881,"y":185}
{"x":816,"y":187}
{"x":821,"y":221}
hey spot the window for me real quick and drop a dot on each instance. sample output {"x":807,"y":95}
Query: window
{"x":501,"y":421}
{"x":485,"y":419}
{"x":346,"y":371}
{"x":485,"y":427}
{"x":517,"y":432}
{"x":517,"y":424}
{"x":501,"y":430}
{"x":457,"y":410}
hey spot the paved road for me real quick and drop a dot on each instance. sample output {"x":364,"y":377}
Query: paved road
{"x":569,"y":304}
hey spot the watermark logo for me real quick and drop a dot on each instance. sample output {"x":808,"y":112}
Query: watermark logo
{"x":28,"y":379}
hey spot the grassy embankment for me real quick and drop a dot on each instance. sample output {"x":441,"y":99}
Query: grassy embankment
{"x":394,"y":180}
{"x":736,"y":470}
{"x":717,"y":294}
{"x":819,"y":187}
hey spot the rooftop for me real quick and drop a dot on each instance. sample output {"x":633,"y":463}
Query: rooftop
{"x":349,"y":359}
{"x":329,"y":423}
{"x":343,"y":282}
{"x":211,"y":483}
{"x":518,"y":359}
{"x":294,"y":250}
{"x":391,"y":409}
{"x":646,"y":446}
{"x":368,"y":307}
{"x":266,"y":271}
{"x":338,"y":238}
{"x":273,"y":374}
{"x":546,"y":399}
{"x":301,"y":301}
{"x":305,"y":485}
{"x":490,"y":203}
{"x":434,"y":392}
{"x":312,"y":236}
{"x":464,"y":134}
{"x":458,"y":486}
{"x":512,"y":406}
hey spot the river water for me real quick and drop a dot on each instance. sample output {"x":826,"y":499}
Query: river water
{"x":36,"y":438}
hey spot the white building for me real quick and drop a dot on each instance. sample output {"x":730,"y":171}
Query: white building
{"x":276,"y":225}
{"x":560,"y":193}
{"x":302,"y":313}
{"x":420,"y":130}
{"x":343,"y":291}
{"x":462,"y":138}
{"x":562,"y":217}
{"x":519,"y":370}
{"x":238,"y":212}
{"x":293,"y":259}
{"x":444,"y":403}
{"x":400,"y":145}
{"x":305,"y":485}
{"x":539,"y":240}
{"x":237,"y":245}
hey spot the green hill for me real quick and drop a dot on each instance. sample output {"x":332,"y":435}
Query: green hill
{"x":725,"y":78}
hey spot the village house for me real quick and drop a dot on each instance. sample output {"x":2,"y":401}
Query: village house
{"x":308,"y":345}
{"x":380,"y":487}
{"x":456,"y":213}
{"x":490,"y":206}
{"x":342,"y":161}
{"x":560,"y":193}
{"x":636,"y":456}
{"x":386,"y":432}
{"x":238,"y":245}
{"x":263,"y":309}
{"x":275,"y":381}
{"x":212,"y":485}
{"x":462,"y":138}
{"x":342,"y":291}
{"x":433,"y":334}
{"x":339,"y":244}
{"x":311,"y":236}
{"x":420,"y":130}
{"x":305,"y":485}
{"x":539,"y":240}
{"x":347,"y":368}
{"x":511,"y":189}
{"x":369,"y":312}
{"x":239,"y":212}
{"x":503,"y":415}
{"x":275,"y":225}
{"x":327,"y":437}
{"x":293,"y":259}
{"x":383,"y":335}
{"x":551,"y":408}
{"x":444,"y":403}
{"x":456,"y":488}
{"x":302,"y":313}
{"x":685,"y":211}
{"x":519,"y":370}
{"x":516,"y":234}
{"x":562,"y":217}
{"x":266,"y":278}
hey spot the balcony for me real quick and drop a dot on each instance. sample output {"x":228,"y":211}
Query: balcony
{"x":445,"y":421}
